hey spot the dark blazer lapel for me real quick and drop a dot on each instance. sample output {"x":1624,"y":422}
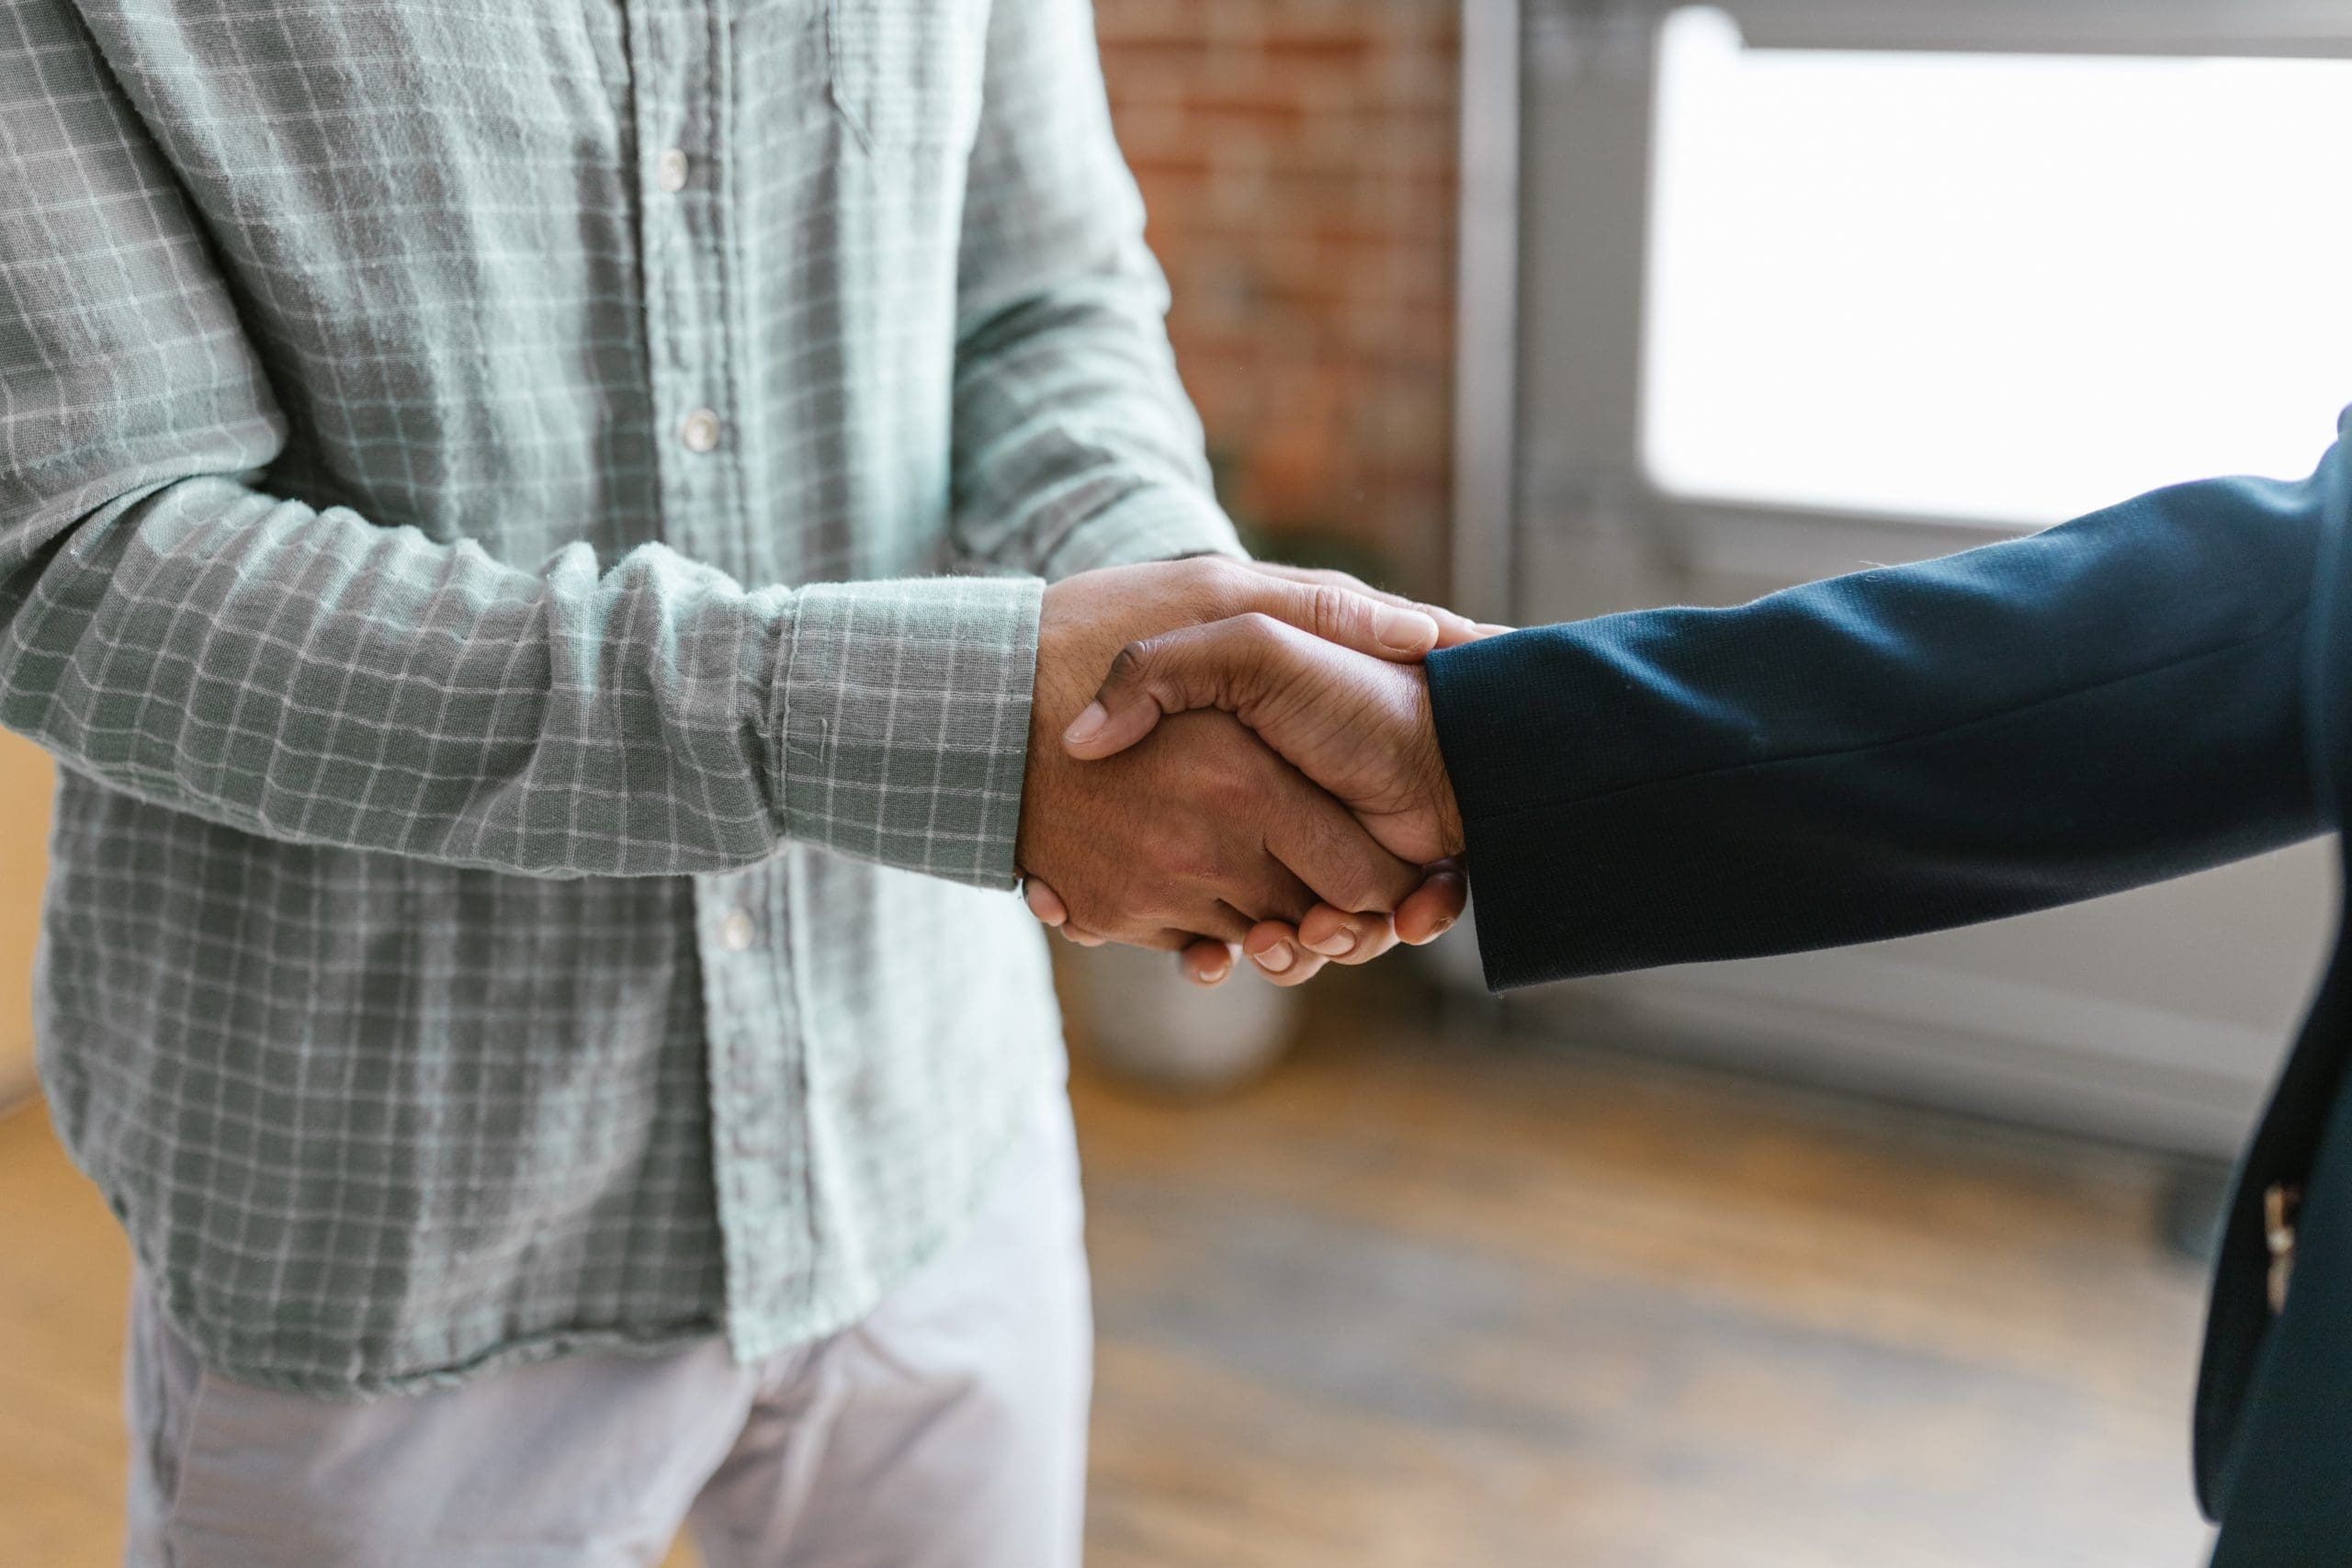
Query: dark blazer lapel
{"x":2273,"y":1396}
{"x":2241,"y":1383}
{"x":2286,"y":1485}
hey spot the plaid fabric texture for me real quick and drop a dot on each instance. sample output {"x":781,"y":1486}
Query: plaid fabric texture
{"x":522,"y":524}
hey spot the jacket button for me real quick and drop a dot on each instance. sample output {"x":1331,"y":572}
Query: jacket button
{"x":2280,"y":1203}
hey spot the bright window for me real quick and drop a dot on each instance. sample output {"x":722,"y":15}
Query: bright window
{"x":2015,"y":287}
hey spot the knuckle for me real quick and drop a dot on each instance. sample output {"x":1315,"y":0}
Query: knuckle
{"x":1260,"y":629}
{"x":1218,"y":580}
{"x":1266,"y":640}
{"x":1130,"y":664}
{"x":1180,"y":862}
{"x":1342,"y":881}
{"x":1279,"y":898}
{"x":1378,"y":888}
{"x":1332,"y":610}
{"x":1231,"y":792}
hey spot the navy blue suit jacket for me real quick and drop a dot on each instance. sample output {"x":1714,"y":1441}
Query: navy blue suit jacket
{"x":2144,"y":693}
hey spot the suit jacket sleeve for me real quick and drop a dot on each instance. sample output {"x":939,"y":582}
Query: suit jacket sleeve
{"x":2113,"y":701}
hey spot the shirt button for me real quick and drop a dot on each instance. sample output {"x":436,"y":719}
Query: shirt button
{"x":699,"y":431}
{"x":670,"y":170}
{"x":736,"y":931}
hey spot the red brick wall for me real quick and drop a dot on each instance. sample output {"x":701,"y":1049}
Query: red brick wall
{"x":1298,"y":157}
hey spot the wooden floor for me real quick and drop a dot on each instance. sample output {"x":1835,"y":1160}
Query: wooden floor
{"x":1419,"y":1303}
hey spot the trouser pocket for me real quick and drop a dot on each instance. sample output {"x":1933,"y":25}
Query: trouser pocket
{"x":586,"y":1461}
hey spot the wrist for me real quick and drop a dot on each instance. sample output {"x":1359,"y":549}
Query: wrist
{"x":1452,"y":838}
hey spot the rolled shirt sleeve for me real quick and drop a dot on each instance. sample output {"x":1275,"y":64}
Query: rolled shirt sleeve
{"x":303,"y":672}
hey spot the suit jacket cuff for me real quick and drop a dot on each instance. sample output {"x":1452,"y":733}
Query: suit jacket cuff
{"x":1482,"y":706}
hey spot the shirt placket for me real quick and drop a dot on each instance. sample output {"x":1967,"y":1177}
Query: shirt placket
{"x":758,"y":1144}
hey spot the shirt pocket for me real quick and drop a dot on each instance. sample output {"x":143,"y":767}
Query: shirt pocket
{"x":905,"y":73}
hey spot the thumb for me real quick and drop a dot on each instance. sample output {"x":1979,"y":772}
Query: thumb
{"x":1228,"y":664}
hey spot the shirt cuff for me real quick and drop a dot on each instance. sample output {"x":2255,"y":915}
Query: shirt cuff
{"x":1158,"y":523}
{"x":901,"y":726}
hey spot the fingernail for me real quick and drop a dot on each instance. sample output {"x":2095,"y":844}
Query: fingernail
{"x":1487,"y":628}
{"x":1275,"y":960}
{"x":1337,"y":946}
{"x":1088,"y":725}
{"x":1403,"y":631}
{"x":1442,"y":927}
{"x":1211,"y":973}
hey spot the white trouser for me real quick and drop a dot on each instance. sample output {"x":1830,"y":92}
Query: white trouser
{"x":946,"y":1430}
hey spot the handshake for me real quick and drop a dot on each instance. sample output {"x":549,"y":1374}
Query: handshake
{"x":1310,"y":822}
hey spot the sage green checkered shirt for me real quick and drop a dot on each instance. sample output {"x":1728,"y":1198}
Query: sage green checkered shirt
{"x":521,"y":520}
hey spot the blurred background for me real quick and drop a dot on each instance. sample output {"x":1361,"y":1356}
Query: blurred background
{"x":1554,"y":308}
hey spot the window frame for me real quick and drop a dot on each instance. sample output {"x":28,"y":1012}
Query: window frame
{"x":2072,"y":1018}
{"x":1550,"y":473}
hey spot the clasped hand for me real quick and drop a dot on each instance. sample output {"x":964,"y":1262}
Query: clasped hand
{"x":1308,"y":822}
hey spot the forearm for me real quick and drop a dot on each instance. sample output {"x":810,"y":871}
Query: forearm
{"x":2103,"y":706}
{"x":307,"y":675}
{"x":173,"y":626}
